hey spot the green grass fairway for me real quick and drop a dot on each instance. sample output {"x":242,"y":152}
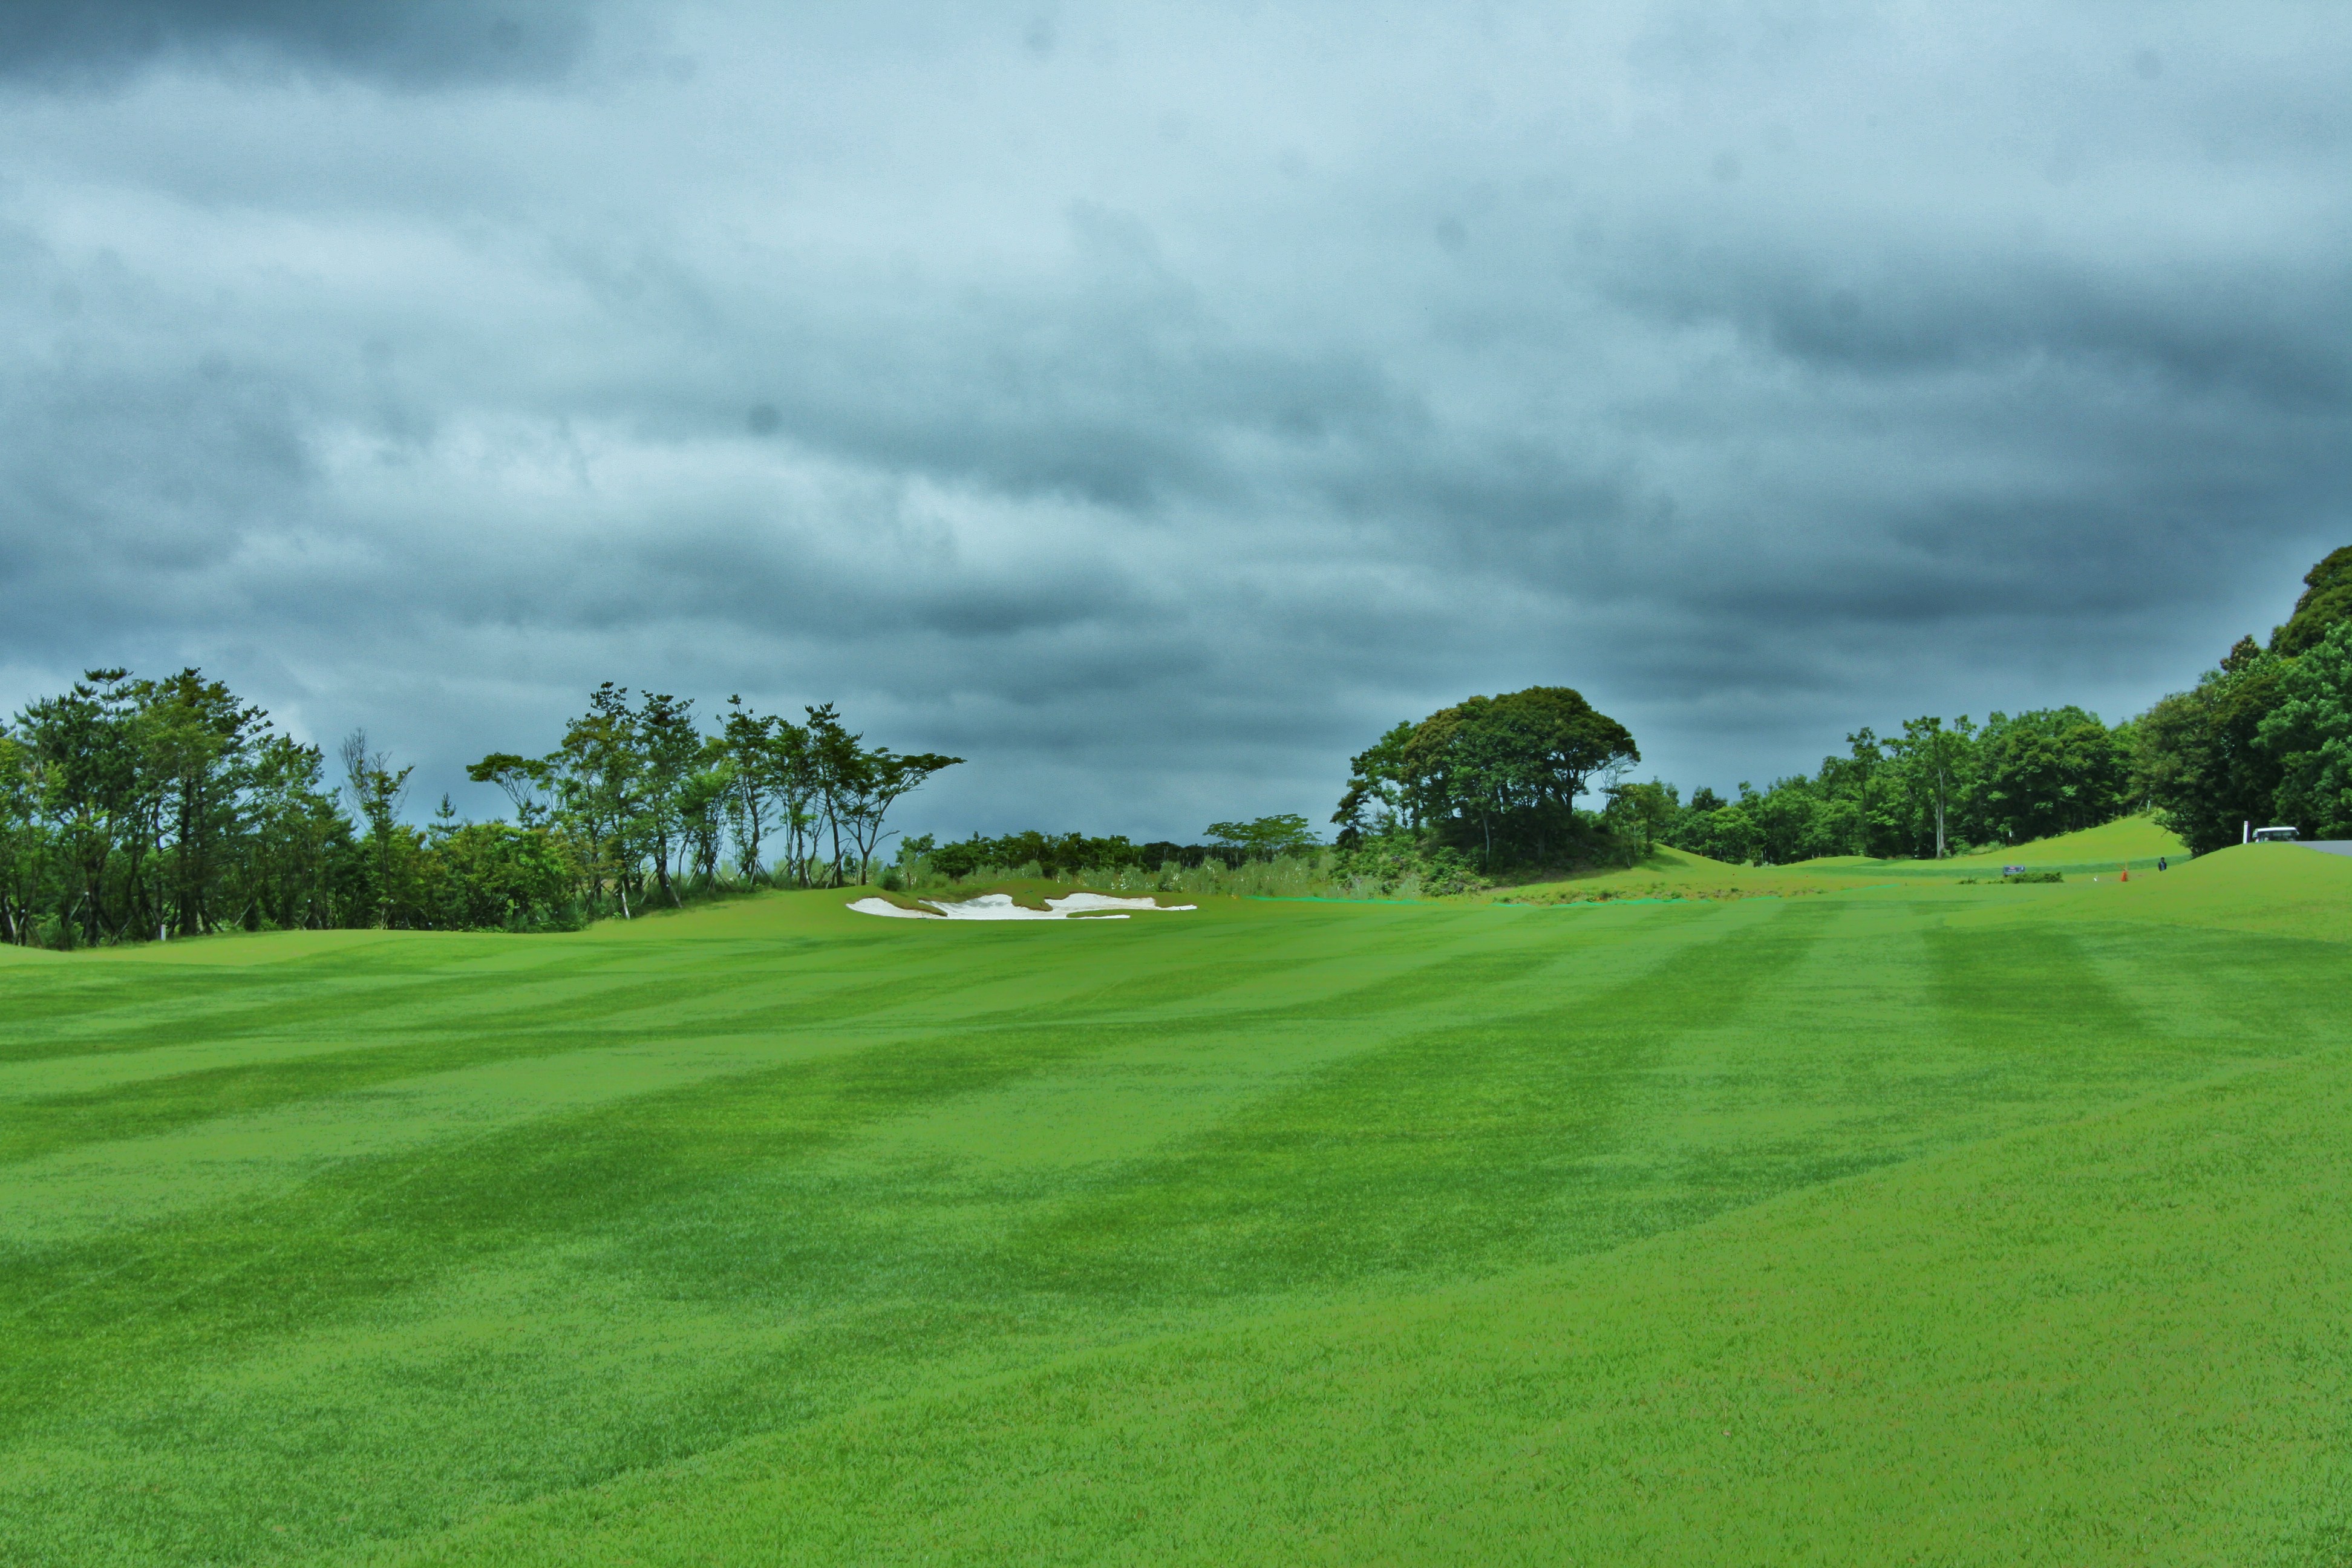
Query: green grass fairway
{"x":1922,"y":1223}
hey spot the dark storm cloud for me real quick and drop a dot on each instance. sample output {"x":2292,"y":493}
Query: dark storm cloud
{"x":1154,"y":404}
{"x":2273,"y":338}
{"x":411,"y":43}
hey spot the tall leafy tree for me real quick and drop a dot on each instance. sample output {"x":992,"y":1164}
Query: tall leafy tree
{"x":2309,"y":732}
{"x":526,"y":782}
{"x":1646,"y":810}
{"x":197,"y":738}
{"x":295,"y":838}
{"x":1865,"y":762}
{"x":23,"y":847}
{"x":837,"y":763}
{"x":871,"y":785}
{"x":2199,"y":758}
{"x":376,"y":790}
{"x":2054,"y":770}
{"x":795,"y":790}
{"x":671,"y":748}
{"x":746,"y":742}
{"x":1378,"y":799}
{"x":85,"y":748}
{"x":703,"y":800}
{"x":1512,"y":766}
{"x":2326,"y":604}
{"x":1937,"y":761}
{"x":600,"y":785}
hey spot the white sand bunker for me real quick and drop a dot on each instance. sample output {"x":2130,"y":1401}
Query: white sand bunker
{"x":1001,"y":907}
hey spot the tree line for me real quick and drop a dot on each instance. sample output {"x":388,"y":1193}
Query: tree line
{"x":136,"y":809}
{"x":1493,"y":783}
{"x":1936,"y":788}
{"x":2265,"y":738}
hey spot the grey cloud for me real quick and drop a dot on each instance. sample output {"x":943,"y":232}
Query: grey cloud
{"x":2276,"y":340}
{"x":888,"y":357}
{"x":405,"y":43}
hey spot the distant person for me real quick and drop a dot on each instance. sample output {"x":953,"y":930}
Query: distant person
{"x":2159,"y":863}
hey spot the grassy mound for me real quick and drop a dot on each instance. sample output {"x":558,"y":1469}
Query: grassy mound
{"x":1961,"y":1224}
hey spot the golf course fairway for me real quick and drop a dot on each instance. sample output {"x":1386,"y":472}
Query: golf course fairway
{"x":1932,"y":1223}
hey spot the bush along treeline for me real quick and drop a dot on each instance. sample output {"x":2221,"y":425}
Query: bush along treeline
{"x":1278,"y":857}
{"x":134,"y":809}
{"x":1238,"y":853}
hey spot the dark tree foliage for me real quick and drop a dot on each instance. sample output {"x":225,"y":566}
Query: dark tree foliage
{"x":1163,"y":852}
{"x":136,"y":810}
{"x":2052,"y":770}
{"x":2309,"y":732}
{"x":1265,"y":837}
{"x":2265,"y":737}
{"x":1939,"y":786}
{"x":1062,"y":854}
{"x":1054,"y":854}
{"x":649,"y":802}
{"x":2326,"y":603}
{"x":2199,"y":755}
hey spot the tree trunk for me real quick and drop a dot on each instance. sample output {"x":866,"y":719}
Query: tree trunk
{"x":661,"y":867}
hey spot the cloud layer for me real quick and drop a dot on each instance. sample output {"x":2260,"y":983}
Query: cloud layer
{"x":1153,"y":404}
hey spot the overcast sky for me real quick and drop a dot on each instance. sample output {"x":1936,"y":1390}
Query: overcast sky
{"x":1153,"y":404}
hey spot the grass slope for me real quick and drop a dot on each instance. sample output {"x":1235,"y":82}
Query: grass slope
{"x":1935,"y":1223}
{"x":2137,"y":840}
{"x":2125,"y":838}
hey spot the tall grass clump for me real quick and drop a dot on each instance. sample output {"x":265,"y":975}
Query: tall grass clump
{"x":1315,"y":874}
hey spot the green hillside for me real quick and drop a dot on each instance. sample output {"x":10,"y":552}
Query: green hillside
{"x":1937,"y":1223}
{"x":2125,"y":838}
{"x":2134,"y":839}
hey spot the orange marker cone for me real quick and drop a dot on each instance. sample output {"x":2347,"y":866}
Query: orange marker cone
{"x":2126,"y":876}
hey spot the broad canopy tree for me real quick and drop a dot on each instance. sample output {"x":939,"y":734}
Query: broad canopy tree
{"x":2052,"y":770}
{"x":1499,"y":774}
